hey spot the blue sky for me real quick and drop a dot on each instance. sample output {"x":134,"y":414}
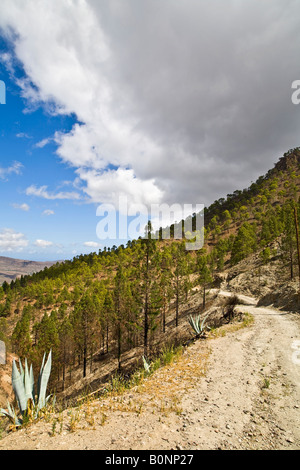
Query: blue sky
{"x":51,"y":228}
{"x":181,"y":104}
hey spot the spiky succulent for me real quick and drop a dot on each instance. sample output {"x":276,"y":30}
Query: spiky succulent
{"x":28,"y":401}
{"x":198,"y":325}
{"x":146,"y":365}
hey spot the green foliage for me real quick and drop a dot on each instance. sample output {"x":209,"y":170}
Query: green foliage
{"x":84,"y":320}
{"x":180,"y":275}
{"x":203,"y":269}
{"x":245,"y":242}
{"x":5,"y":308}
{"x":21,"y":338}
{"x":265,"y":255}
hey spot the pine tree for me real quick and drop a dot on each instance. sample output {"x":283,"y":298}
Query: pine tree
{"x":179,"y":275}
{"x":288,"y":241}
{"x":84,"y":322}
{"x":120,"y":304}
{"x":205,"y":276}
{"x":48,"y":339}
{"x":165,"y":284}
{"x":148,"y":275}
{"x":245,"y":242}
{"x":21,"y":338}
{"x":106,"y":318}
{"x":66,"y":345}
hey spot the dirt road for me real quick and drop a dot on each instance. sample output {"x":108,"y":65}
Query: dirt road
{"x":237,"y":391}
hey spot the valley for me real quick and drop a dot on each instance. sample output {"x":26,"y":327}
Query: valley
{"x":11,"y":268}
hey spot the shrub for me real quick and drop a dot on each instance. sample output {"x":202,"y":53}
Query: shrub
{"x":229,"y":307}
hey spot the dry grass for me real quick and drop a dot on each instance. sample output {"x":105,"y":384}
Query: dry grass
{"x":173,"y":374}
{"x":162,"y":390}
{"x":247,"y":321}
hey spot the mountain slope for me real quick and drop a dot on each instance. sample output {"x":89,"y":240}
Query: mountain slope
{"x":11,"y":268}
{"x":237,"y":390}
{"x":76,"y":307}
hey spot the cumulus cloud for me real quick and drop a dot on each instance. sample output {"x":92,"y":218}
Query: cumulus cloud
{"x":10,"y":240}
{"x":181,"y":103}
{"x":111,"y":185}
{"x":43,"y":192}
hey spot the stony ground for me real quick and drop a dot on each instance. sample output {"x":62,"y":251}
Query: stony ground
{"x":238,"y":389}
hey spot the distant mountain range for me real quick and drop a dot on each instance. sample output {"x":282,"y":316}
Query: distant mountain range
{"x":11,"y":268}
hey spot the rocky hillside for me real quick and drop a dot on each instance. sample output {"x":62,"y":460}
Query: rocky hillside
{"x":269,"y":282}
{"x":11,"y":268}
{"x":100,"y":313}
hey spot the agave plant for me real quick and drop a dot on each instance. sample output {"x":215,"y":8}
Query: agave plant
{"x":146,"y":365}
{"x":198,"y":325}
{"x":29,"y":403}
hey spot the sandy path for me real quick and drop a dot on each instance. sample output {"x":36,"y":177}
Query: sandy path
{"x":252,"y":387}
{"x":238,"y":391}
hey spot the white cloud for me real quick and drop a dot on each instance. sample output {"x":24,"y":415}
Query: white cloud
{"x":108,"y":186}
{"x":43,"y":243}
{"x":48,"y":212}
{"x":10,"y":240}
{"x":44,"y":142}
{"x":73,"y":76}
{"x":92,"y":244}
{"x":43,"y":192}
{"x":23,"y":207}
{"x":15,"y":168}
{"x":175,"y":103}
{"x":23,"y":135}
